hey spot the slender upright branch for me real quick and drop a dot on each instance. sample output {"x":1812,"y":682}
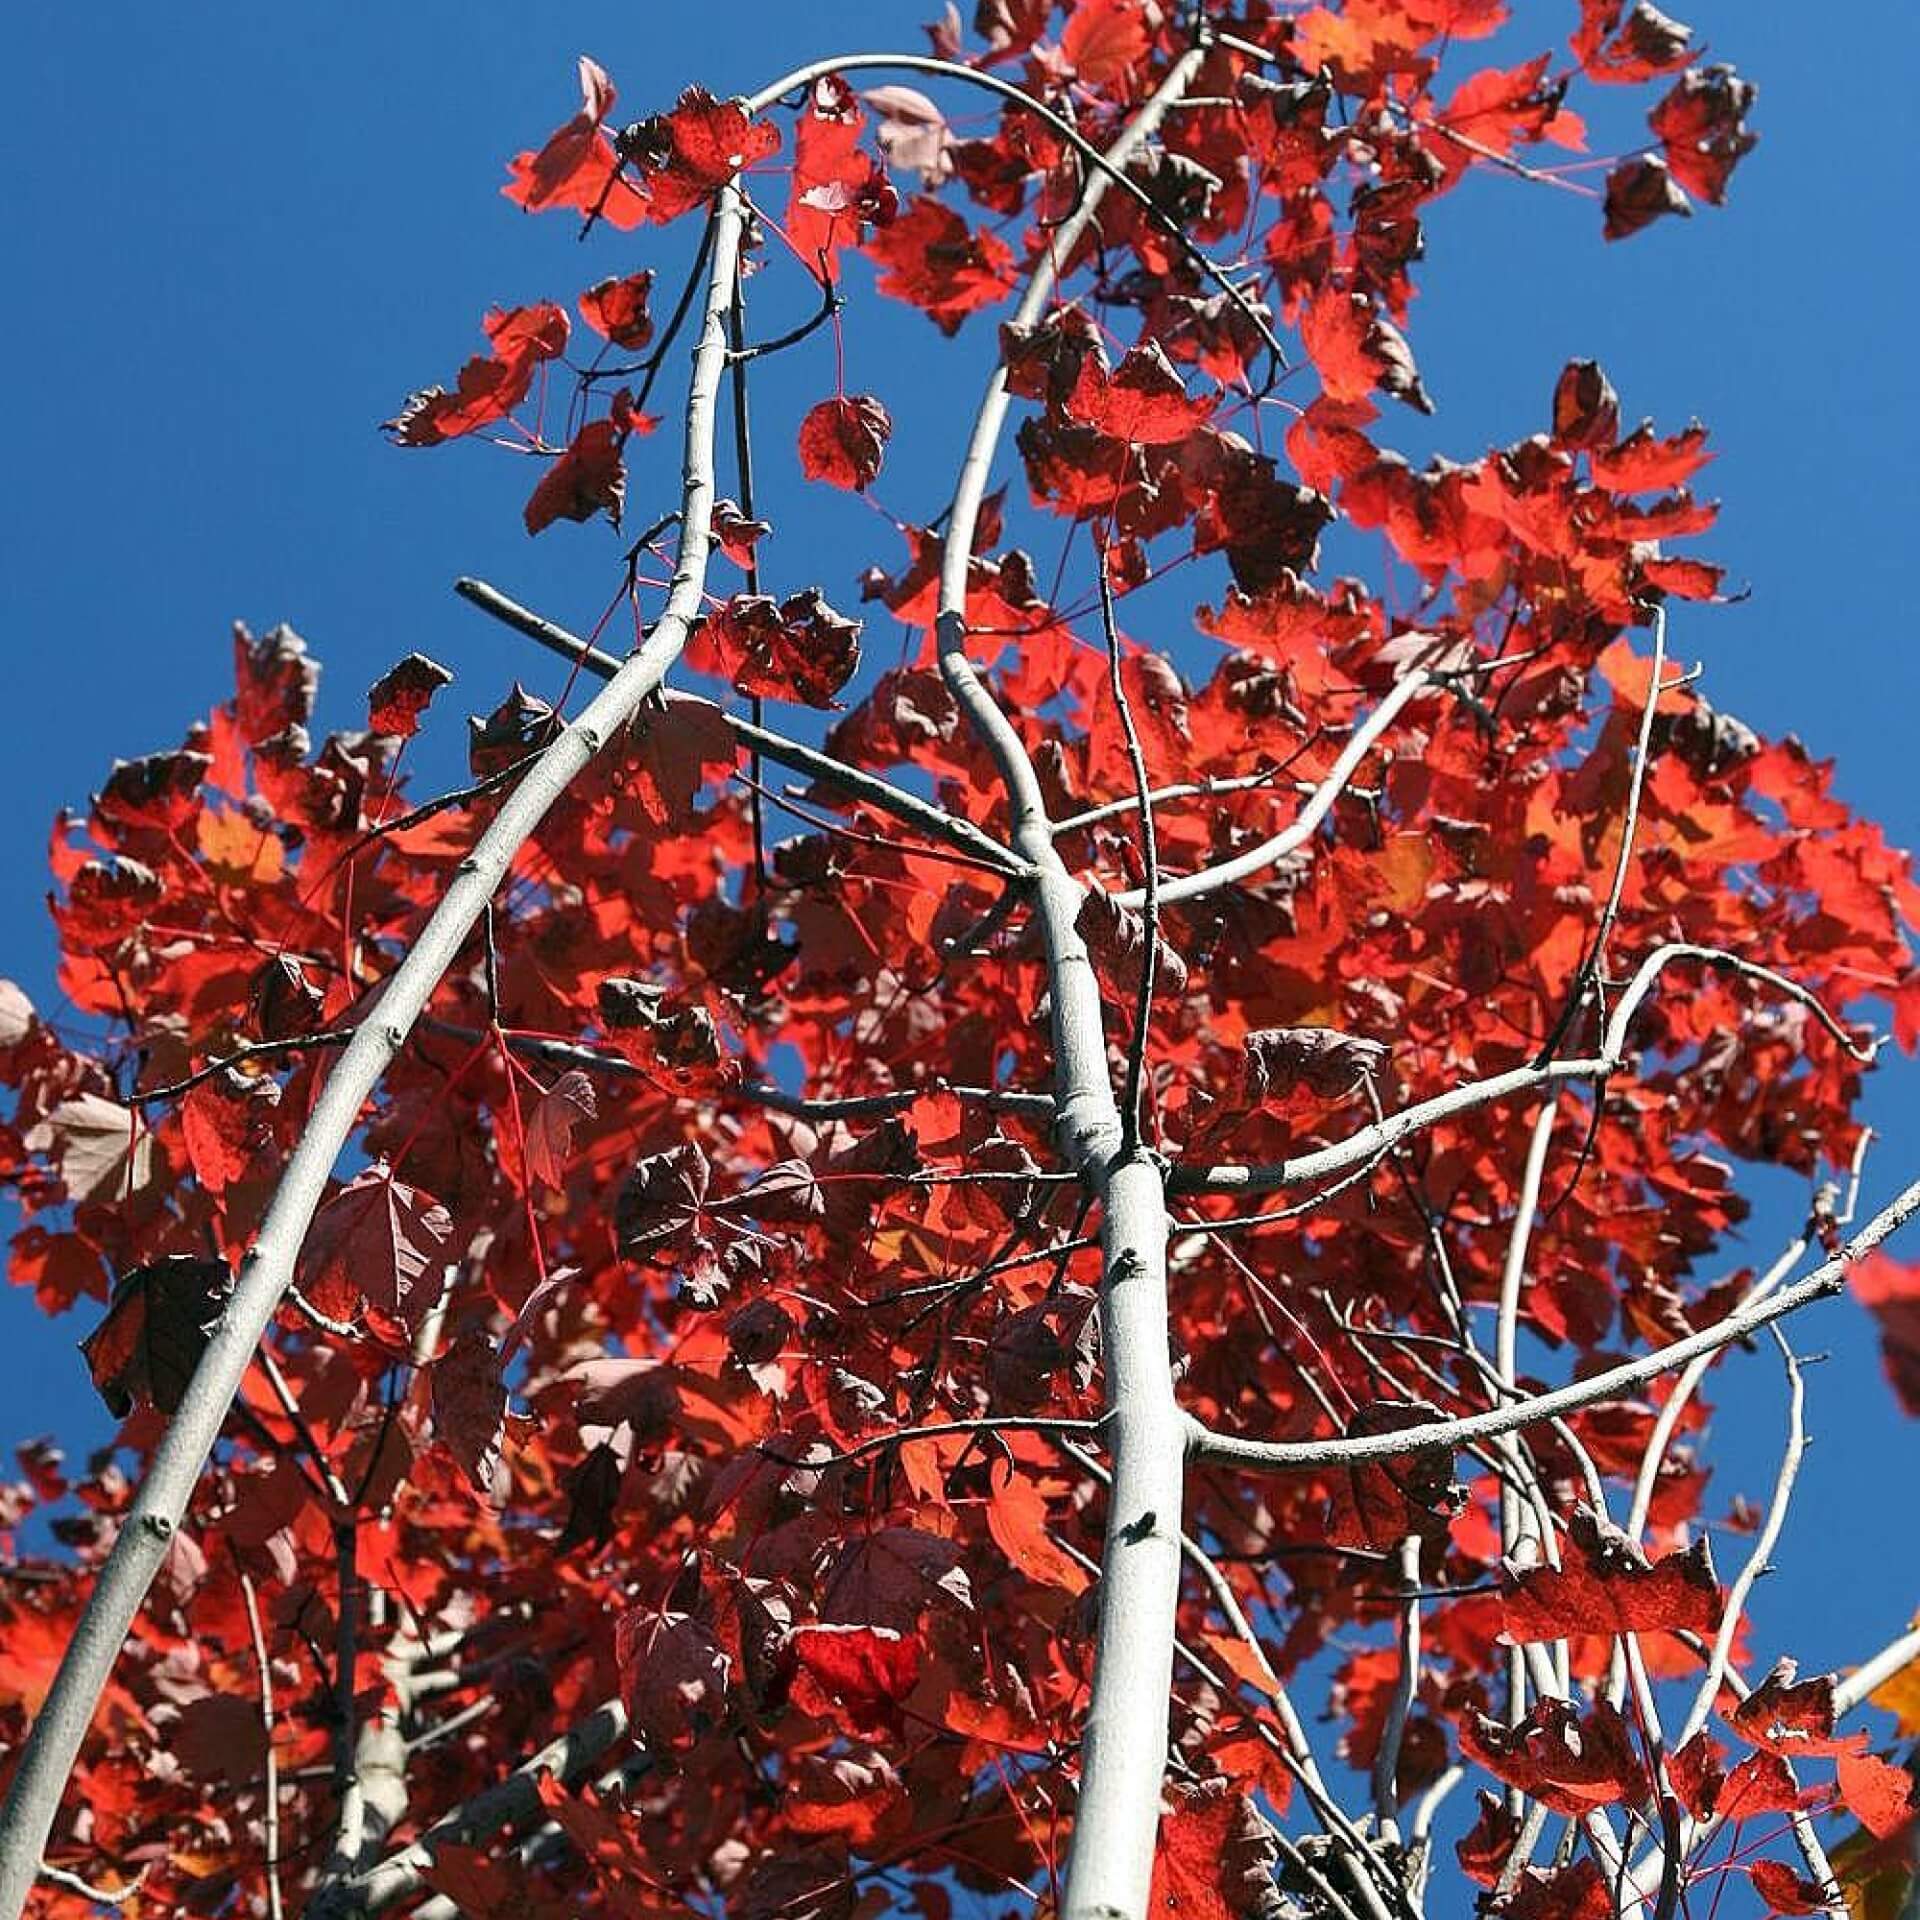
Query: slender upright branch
{"x":1386,"y":1762}
{"x":161,"y":1504}
{"x":1764,"y":1542}
{"x":1149,"y":866}
{"x":271,"y":1785}
{"x":1124,"y":1743}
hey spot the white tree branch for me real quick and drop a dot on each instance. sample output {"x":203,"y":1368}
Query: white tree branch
{"x":934,"y":821}
{"x":1124,"y":1743}
{"x":1388,"y":1131}
{"x":268,"y":1266}
{"x":1295,"y":1456}
{"x":1299,"y":830}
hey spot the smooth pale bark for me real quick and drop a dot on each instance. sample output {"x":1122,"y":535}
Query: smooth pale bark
{"x":1124,"y":1740}
{"x":268,"y":1266}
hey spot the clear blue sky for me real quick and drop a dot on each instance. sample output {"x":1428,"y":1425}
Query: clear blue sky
{"x":237,"y":235}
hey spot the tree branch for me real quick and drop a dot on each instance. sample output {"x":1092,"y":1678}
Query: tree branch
{"x":268,"y":1266}
{"x":568,"y":1758}
{"x":1394,"y":1127}
{"x":1109,"y":167}
{"x":935,"y":822}
{"x":1294,"y":1456}
{"x":1301,"y":829}
{"x":1124,"y":1742}
{"x":1149,"y":865}
{"x":1758,"y":1554}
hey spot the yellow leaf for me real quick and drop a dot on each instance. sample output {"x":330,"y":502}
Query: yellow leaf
{"x":236,"y":850}
{"x":1900,"y":1696}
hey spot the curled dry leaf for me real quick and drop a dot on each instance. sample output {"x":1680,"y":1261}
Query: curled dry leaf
{"x":1274,"y":1061}
{"x":796,"y":649}
{"x":570,"y":1100}
{"x":402,"y":694}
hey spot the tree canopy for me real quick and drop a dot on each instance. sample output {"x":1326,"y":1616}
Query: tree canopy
{"x":860,"y":1276}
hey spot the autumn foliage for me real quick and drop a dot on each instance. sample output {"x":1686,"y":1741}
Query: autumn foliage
{"x":702,"y":1343}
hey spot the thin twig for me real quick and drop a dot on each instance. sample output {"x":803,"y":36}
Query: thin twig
{"x":936,"y":1430}
{"x":932,"y":820}
{"x":1180,"y":790}
{"x":1149,"y":866}
{"x":1733,"y":1607}
{"x":1593,"y":962}
{"x":272,"y":1786}
{"x":254,"y":1050}
{"x":100,"y":1896}
{"x":737,"y":358}
{"x":1303,"y":826}
{"x":1291,"y":1456}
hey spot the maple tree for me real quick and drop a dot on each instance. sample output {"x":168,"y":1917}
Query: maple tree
{"x":666,"y":1368}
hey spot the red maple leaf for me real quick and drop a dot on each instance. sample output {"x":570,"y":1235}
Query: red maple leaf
{"x":844,"y":440}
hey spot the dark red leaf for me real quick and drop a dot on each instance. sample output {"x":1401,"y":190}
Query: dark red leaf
{"x":799,"y":649}
{"x":470,"y":1409}
{"x":226,"y":1120}
{"x":1570,"y":1762}
{"x":284,"y":1003}
{"x":930,"y":258}
{"x":1639,"y":191}
{"x":1784,"y":1891}
{"x":156,"y":1328}
{"x":737,"y":535}
{"x":1216,"y":1856}
{"x":843,"y":441}
{"x":673,"y":1677}
{"x":1702,"y":125}
{"x":661,"y":1203}
{"x":1586,"y":410}
{"x":1116,"y":937}
{"x":1330,"y":1065}
{"x":1143,"y":401}
{"x":588,"y":478}
{"x":401,"y":695}
{"x":683,"y":156}
{"x":1606,"y":1585}
{"x":551,"y":1122}
{"x":380,"y":1242}
{"x":489,"y":387}
{"x":577,"y":167}
{"x":1790,"y":1717}
{"x":1647,"y":45}
{"x":617,"y":310}
{"x":856,"y":1676}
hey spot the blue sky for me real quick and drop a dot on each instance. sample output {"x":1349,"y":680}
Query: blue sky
{"x":239,"y":235}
